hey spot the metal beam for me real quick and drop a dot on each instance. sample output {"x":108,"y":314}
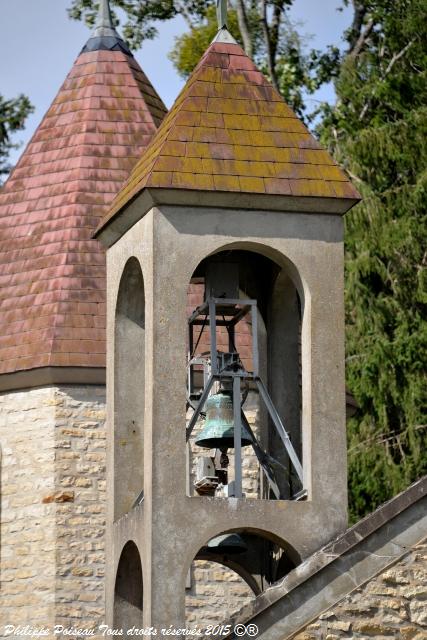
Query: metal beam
{"x":280,"y":428}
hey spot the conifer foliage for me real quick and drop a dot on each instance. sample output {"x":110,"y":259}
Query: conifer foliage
{"x":377,"y":130}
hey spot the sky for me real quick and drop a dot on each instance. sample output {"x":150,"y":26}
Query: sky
{"x":40,"y":44}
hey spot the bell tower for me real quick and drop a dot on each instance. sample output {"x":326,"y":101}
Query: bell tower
{"x":234,"y":201}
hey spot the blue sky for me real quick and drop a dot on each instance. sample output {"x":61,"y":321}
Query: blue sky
{"x":40,"y":44}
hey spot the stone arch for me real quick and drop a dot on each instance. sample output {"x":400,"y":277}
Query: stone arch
{"x":263,"y":559}
{"x":276,"y":256}
{"x":129,"y":389}
{"x":128,"y":590}
{"x":283,"y":299}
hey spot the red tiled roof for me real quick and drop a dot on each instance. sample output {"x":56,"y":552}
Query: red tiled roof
{"x":52,"y":273}
{"x":229,"y":130}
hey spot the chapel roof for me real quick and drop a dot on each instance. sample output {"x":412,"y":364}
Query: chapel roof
{"x":52,"y":273}
{"x":231,"y":131}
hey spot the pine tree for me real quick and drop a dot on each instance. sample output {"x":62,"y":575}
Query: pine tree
{"x":377,"y":130}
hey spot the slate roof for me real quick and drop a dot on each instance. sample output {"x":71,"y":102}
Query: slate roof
{"x":52,"y":273}
{"x":231,"y":131}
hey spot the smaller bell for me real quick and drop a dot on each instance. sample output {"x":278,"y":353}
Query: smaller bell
{"x":218,"y":431}
{"x":228,"y":544}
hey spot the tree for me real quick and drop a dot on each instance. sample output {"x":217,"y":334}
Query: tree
{"x":13,"y":114}
{"x":377,"y":130}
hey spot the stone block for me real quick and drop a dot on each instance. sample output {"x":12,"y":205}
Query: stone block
{"x":372,"y":628}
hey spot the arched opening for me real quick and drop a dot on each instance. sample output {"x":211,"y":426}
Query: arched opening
{"x":129,"y":390}
{"x":230,"y":570}
{"x":256,"y":336}
{"x":128,"y":592}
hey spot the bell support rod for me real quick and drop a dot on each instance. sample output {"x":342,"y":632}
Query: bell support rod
{"x":237,"y":437}
{"x":196,"y":414}
{"x":255,"y":355}
{"x":280,"y":428}
{"x":262,"y":459}
{"x":212,"y":329}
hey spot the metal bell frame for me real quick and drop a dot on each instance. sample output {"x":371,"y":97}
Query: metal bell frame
{"x":226,"y":368}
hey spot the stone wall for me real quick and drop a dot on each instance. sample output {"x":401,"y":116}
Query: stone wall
{"x":215,"y":592}
{"x":52,"y":506}
{"x":80,"y":469}
{"x":53,"y":514}
{"x":393,"y":605}
{"x":27,"y":534}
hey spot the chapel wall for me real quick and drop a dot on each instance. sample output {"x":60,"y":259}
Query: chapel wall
{"x":53,"y":504}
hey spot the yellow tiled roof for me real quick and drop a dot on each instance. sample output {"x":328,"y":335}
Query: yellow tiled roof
{"x":231,"y":131}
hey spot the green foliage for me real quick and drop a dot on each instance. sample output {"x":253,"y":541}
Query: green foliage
{"x":13,"y":114}
{"x":378,"y":131}
{"x":190,"y":47}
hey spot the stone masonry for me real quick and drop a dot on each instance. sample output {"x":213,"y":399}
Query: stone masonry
{"x":53,"y":515}
{"x":52,"y":506}
{"x":52,"y":533}
{"x":215,"y":593}
{"x":393,"y":605}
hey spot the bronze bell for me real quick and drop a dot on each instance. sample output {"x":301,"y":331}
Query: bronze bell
{"x":218,"y":432}
{"x":227,"y":544}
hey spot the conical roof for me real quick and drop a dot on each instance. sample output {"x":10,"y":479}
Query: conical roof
{"x":52,"y":273}
{"x":231,"y":131}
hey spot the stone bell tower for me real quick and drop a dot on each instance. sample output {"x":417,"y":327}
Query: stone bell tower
{"x":233,"y":195}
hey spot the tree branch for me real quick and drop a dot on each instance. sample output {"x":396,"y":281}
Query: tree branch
{"x":242,"y":19}
{"x":182,"y":9}
{"x":268,"y":43}
{"x":275,"y":27}
{"x":395,"y":58}
{"x":356,"y":26}
{"x":360,"y":42}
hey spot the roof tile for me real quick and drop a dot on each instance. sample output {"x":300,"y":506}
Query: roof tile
{"x":235,"y":133}
{"x":52,"y":274}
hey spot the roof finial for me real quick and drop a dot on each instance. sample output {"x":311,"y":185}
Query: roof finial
{"x":104,"y":35}
{"x":221,"y":12}
{"x":104,"y":23}
{"x":223,"y":34}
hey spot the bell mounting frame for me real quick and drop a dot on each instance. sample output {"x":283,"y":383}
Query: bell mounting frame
{"x":227,"y":367}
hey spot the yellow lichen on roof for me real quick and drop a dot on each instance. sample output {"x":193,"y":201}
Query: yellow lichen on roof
{"x":230,"y":130}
